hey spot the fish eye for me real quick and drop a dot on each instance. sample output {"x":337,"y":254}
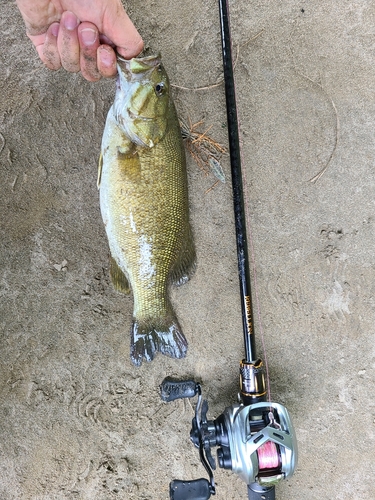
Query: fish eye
{"x":159,"y":88}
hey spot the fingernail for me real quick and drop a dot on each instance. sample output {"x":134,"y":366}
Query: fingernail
{"x":106,"y":57}
{"x":89,"y":36}
{"x":70,"y":21}
{"x":55,"y":29}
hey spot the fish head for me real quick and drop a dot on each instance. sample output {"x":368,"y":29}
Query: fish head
{"x":142,"y":99}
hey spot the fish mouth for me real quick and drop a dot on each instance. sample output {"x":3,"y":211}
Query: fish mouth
{"x":133,"y":115}
{"x":137,"y":67}
{"x":150,"y":60}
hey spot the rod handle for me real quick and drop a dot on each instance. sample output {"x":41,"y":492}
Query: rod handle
{"x":257,"y":492}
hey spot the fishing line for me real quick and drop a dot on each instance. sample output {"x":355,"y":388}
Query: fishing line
{"x":268,"y":456}
{"x":256,"y":288}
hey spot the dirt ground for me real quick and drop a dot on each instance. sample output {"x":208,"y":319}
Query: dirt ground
{"x":78,"y":420}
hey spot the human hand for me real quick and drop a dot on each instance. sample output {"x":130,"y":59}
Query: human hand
{"x":81,"y":35}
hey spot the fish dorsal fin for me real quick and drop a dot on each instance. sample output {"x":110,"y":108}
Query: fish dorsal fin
{"x":185,"y":265}
{"x":119,"y":280}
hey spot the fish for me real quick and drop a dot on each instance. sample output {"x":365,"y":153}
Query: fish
{"x":143,"y":191}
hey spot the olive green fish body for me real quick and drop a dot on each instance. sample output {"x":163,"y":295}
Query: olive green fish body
{"x":144,"y":205}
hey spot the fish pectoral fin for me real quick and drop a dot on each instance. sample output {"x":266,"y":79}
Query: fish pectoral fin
{"x":129,"y":163}
{"x":100,"y":169}
{"x":119,"y":280}
{"x":126,"y":150}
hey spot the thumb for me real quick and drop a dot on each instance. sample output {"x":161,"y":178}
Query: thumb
{"x":118,"y":27}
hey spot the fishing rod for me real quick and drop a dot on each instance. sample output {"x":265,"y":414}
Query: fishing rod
{"x":255,"y":438}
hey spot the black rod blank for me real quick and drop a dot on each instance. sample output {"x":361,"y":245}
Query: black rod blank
{"x":237,"y":186}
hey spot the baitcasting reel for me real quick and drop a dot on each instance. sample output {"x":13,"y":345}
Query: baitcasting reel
{"x":255,"y":438}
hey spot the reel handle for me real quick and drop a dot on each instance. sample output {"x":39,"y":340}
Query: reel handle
{"x":197,"y":489}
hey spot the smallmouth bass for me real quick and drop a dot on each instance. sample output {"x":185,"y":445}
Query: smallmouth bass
{"x":144,"y":204}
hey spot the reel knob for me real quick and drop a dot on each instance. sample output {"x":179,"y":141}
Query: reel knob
{"x":198,"y":489}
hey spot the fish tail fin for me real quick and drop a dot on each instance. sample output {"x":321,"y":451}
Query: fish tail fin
{"x":163,"y":336}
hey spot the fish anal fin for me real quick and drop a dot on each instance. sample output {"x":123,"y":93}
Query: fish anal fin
{"x":119,"y":280}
